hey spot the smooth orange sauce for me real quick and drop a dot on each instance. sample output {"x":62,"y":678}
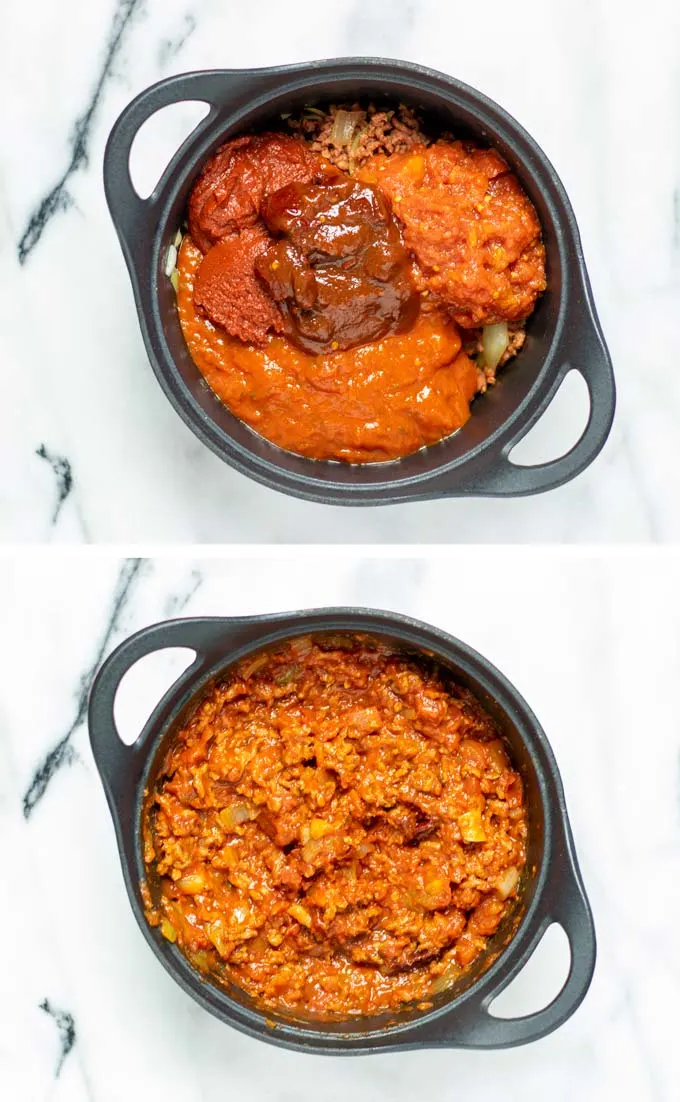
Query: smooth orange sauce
{"x":369,"y":404}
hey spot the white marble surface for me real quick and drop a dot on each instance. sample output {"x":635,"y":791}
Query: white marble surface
{"x":594,"y":645}
{"x":595,"y":81}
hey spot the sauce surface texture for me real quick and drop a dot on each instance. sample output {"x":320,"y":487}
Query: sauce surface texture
{"x":335,"y":282}
{"x":473,"y":231}
{"x":383,"y":400}
{"x":335,"y":829}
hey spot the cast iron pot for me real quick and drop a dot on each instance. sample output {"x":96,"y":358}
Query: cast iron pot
{"x":551,"y":891}
{"x":563,"y":332}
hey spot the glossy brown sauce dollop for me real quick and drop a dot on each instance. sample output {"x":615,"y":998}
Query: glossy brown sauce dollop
{"x":338,"y":270}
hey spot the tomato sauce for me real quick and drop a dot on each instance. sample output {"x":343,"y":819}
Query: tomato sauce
{"x":323,"y":307}
{"x":337,"y":828}
{"x":472,"y":229}
{"x":380,"y":401}
{"x":233,"y":184}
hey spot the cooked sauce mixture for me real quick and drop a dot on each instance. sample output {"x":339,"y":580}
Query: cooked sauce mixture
{"x":327,"y":273}
{"x":336,"y":830}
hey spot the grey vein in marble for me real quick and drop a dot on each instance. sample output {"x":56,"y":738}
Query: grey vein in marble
{"x":170,"y":47}
{"x":63,"y":475}
{"x":178,"y":600}
{"x":58,"y":199}
{"x":63,"y":753}
{"x":67,"y":1031}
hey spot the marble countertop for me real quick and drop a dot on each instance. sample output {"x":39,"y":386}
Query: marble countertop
{"x":91,"y":450}
{"x":86,"y":1012}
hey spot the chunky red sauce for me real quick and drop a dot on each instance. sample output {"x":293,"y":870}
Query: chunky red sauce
{"x":385,"y":399}
{"x":323,"y":308}
{"x":472,"y":229}
{"x":336,"y":829}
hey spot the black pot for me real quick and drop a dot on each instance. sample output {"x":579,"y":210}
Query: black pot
{"x":563,"y":332}
{"x":551,"y":891}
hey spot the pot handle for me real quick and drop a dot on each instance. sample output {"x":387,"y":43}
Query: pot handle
{"x":587,"y":353}
{"x":568,"y":906}
{"x":133,"y":216}
{"x":114,"y":758}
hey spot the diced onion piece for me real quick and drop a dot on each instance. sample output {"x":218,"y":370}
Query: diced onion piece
{"x":356,"y":140}
{"x":494,"y":342}
{"x":287,"y":674}
{"x":174,"y":279}
{"x":254,"y":665}
{"x":343,"y":127}
{"x":507,"y":883}
{"x":225,"y":858}
{"x":170,"y":260}
{"x":496,"y":756}
{"x":298,"y":912}
{"x":447,"y":977}
{"x":233,"y":816}
{"x":192,"y":884}
{"x":177,"y":239}
{"x":202,"y":959}
{"x":354,"y":146}
{"x":168,"y":930}
{"x":319,"y":827}
{"x":310,"y":850}
{"x":471,"y":826}
{"x":434,"y":887}
{"x":218,"y":935}
{"x":301,"y":647}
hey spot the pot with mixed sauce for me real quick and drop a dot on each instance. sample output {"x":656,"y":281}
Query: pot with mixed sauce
{"x":348,"y":287}
{"x":336,"y":829}
{"x":360,"y":282}
{"x":342,"y":831}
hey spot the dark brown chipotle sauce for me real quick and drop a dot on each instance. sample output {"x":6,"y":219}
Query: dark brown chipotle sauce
{"x":339,"y":270}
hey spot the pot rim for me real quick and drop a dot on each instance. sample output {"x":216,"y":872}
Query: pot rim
{"x":125,"y":781}
{"x":244,"y":94}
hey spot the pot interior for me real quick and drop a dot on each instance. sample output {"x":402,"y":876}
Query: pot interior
{"x":441,"y":112}
{"x":222,"y":997}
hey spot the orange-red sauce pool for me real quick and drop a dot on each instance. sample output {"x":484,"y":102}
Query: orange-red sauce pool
{"x":377,"y":402}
